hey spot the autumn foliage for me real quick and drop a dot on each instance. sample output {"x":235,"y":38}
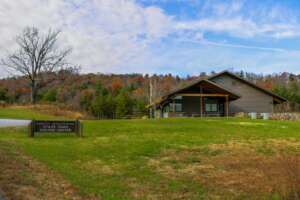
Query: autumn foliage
{"x":125,"y":96}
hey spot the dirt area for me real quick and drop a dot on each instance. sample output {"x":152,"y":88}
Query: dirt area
{"x":237,"y":170}
{"x":22,"y":178}
{"x":54,"y":110}
{"x":58,"y":111}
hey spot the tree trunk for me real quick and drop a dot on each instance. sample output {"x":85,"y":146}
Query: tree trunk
{"x":33,"y":92}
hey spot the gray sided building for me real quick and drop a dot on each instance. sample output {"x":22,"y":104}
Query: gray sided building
{"x":222,"y":94}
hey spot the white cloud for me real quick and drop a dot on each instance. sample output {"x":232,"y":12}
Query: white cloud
{"x":241,"y":27}
{"x":123,"y":36}
{"x":236,"y":26}
{"x":105,"y":35}
{"x":207,"y":56}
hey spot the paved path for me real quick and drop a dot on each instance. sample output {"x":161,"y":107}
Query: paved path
{"x":1,"y":198}
{"x":13,"y":122}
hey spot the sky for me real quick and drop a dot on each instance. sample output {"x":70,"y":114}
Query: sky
{"x":182,"y":37}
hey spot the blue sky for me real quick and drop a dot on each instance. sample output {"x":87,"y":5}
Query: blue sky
{"x":235,"y":36}
{"x":164,"y":36}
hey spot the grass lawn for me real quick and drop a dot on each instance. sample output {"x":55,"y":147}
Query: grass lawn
{"x":23,"y":113}
{"x":168,"y":159}
{"x":41,"y":112}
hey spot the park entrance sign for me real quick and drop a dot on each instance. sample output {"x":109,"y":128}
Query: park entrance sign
{"x":41,"y":126}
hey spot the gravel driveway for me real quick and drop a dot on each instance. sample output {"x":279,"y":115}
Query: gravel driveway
{"x":13,"y":122}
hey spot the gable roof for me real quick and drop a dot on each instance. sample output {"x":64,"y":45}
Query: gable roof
{"x":277,"y":97}
{"x":209,"y":80}
{"x":199,"y":81}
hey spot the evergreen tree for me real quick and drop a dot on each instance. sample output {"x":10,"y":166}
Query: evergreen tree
{"x":140,"y":107}
{"x":98,"y":106}
{"x":110,"y":106}
{"x":123,"y":105}
{"x":3,"y":94}
{"x":50,"y":95}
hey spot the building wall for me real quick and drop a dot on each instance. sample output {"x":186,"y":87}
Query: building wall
{"x":191,"y":105}
{"x":252,"y":100}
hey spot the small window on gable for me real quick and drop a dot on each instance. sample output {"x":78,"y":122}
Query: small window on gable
{"x":220,"y":80}
{"x":234,"y":83}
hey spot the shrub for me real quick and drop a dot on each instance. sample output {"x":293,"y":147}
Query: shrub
{"x":50,"y":95}
{"x":3,"y":94}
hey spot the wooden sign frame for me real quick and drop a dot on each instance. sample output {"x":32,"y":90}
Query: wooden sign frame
{"x":48,"y":126}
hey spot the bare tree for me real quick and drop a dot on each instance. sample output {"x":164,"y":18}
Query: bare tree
{"x":37,"y":54}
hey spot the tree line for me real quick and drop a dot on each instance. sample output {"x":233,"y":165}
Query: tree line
{"x":42,"y":74}
{"x":125,"y":95}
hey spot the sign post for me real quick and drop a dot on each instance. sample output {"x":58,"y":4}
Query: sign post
{"x":41,"y":126}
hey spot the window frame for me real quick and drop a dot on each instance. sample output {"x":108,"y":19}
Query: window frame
{"x":211,"y":105}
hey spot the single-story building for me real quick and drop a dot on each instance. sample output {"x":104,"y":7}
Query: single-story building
{"x":223,"y":94}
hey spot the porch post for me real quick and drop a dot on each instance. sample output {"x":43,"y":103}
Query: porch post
{"x":226,"y":106}
{"x":174,"y":107}
{"x":201,"y":106}
{"x":201,"y":102}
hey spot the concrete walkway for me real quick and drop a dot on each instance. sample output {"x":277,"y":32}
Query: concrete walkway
{"x":13,"y":123}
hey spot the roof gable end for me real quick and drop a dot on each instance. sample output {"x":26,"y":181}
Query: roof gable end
{"x":248,"y":83}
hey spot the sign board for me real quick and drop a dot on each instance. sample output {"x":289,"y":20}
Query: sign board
{"x":39,"y":126}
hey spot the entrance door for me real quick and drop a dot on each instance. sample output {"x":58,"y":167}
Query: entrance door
{"x":221,"y":108}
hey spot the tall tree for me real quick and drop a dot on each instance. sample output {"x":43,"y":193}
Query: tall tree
{"x":37,"y":53}
{"x":123,"y":104}
{"x":3,"y":94}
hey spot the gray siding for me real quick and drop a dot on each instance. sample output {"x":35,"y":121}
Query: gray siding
{"x":252,"y":99}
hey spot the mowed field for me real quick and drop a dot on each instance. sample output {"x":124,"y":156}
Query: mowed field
{"x":210,"y":158}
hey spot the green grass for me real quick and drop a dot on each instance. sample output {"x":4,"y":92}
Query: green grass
{"x":111,"y":160}
{"x":24,"y":113}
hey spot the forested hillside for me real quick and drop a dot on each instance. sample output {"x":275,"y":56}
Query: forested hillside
{"x":124,"y":96}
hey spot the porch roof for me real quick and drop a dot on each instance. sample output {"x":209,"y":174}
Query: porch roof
{"x":212,"y":88}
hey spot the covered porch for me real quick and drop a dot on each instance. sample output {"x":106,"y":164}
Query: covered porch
{"x":202,"y":99}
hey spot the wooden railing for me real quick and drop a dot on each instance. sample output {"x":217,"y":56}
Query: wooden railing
{"x":182,"y":114}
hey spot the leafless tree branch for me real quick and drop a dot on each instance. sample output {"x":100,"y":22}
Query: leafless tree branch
{"x":37,"y":54}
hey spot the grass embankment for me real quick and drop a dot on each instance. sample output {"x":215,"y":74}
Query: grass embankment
{"x":173,"y":158}
{"x":41,"y":112}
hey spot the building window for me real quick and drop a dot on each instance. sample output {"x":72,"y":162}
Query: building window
{"x":177,"y":104}
{"x":166,"y":109}
{"x":211,"y":107}
{"x":178,"y":107}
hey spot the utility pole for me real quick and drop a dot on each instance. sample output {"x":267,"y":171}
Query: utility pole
{"x":150,"y":90}
{"x":150,"y":97}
